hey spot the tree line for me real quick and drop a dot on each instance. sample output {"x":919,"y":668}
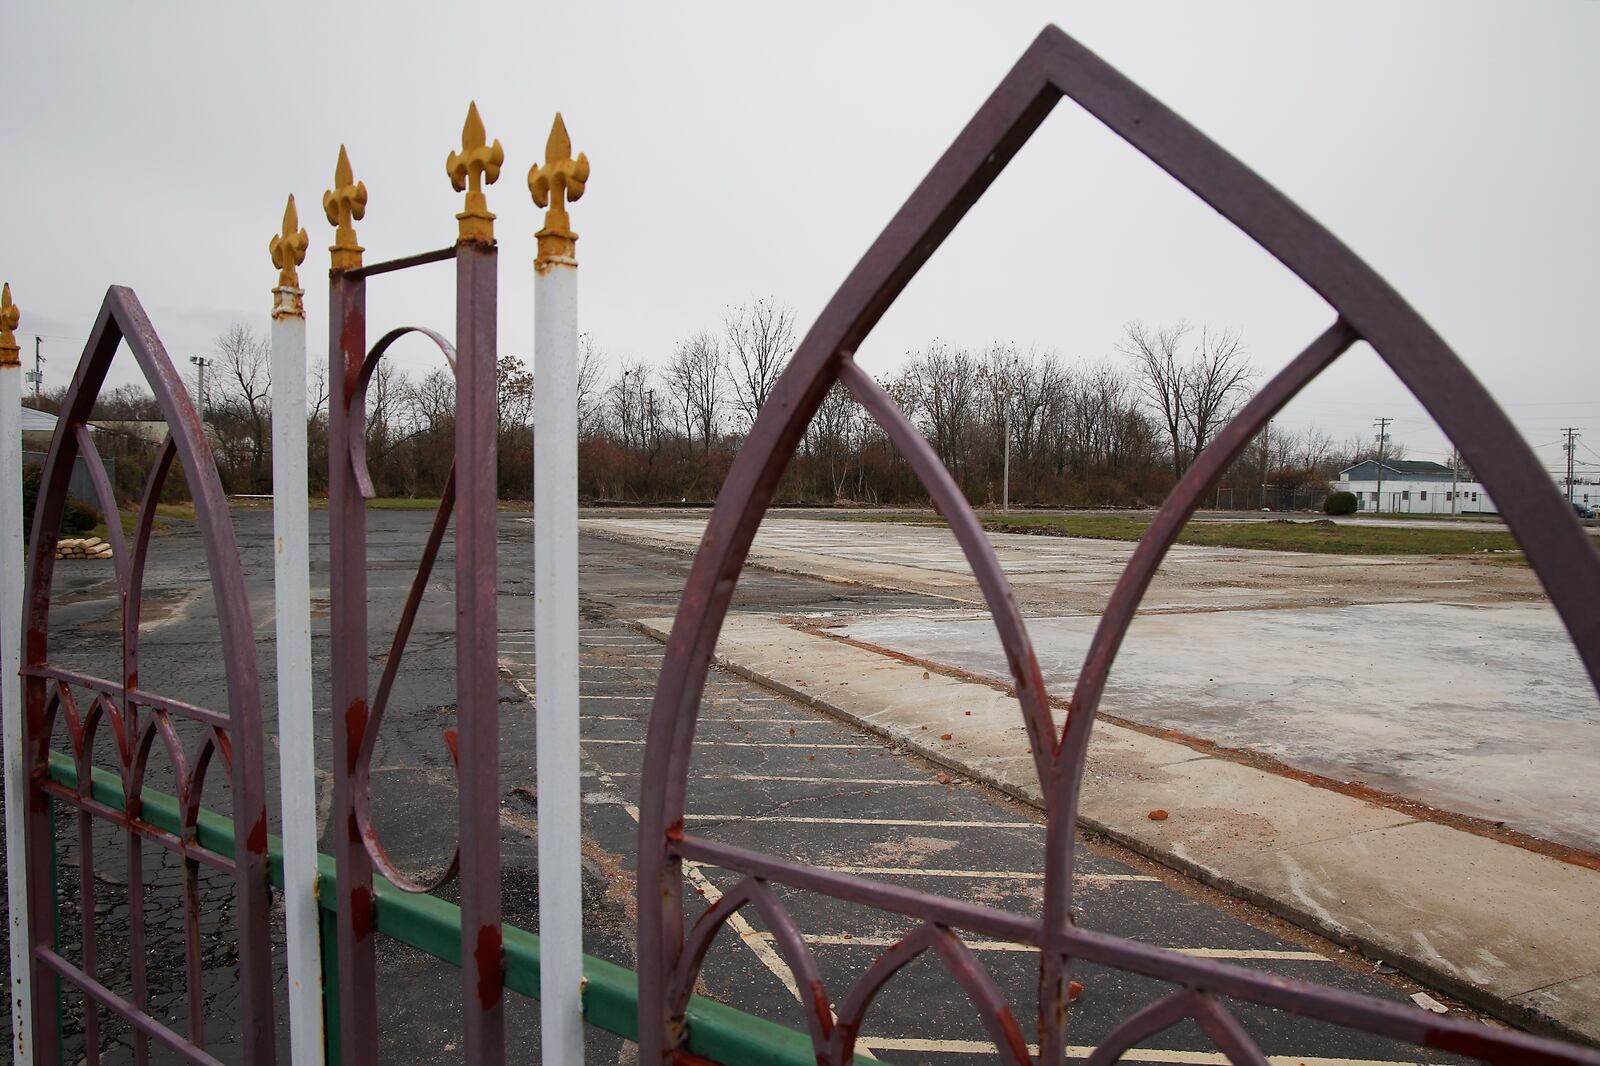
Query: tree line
{"x":1115,"y":431}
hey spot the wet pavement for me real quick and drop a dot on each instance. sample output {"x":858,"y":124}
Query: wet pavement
{"x":769,"y":774}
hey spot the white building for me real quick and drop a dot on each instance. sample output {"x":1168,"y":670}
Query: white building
{"x":1414,"y":486}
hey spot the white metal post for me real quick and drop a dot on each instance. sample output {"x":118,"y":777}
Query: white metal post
{"x":16,"y":769}
{"x":291,"y":583}
{"x":555,"y":619}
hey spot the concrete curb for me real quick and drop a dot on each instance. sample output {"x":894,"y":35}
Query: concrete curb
{"x":1339,"y":866}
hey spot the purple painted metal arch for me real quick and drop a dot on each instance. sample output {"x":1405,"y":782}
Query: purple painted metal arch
{"x":1367,"y":308}
{"x":236,"y":734}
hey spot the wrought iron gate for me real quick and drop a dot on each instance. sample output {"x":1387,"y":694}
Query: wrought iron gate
{"x":69,"y":714}
{"x":82,"y":707}
{"x":1367,"y":309}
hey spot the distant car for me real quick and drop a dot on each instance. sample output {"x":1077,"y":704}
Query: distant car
{"x":1583,"y":509}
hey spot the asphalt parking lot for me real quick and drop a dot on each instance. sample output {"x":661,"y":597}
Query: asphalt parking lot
{"x":769,"y":774}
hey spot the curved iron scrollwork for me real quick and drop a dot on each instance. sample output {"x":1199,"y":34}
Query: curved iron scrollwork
{"x":138,"y":718}
{"x":361,"y":773}
{"x":1367,"y":309}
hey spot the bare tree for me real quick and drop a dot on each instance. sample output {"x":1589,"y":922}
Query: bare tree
{"x":834,"y":433}
{"x":1155,"y":356}
{"x":760,"y":338}
{"x":513,"y":393}
{"x":696,"y":375}
{"x":246,"y":371}
{"x":591,"y":367}
{"x":1216,"y":382}
{"x":940,"y":384}
{"x":1192,"y":398}
{"x":317,"y":392}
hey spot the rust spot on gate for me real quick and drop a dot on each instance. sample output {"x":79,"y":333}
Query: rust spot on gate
{"x":819,"y":1006}
{"x":490,"y":971}
{"x":355,"y":727}
{"x":257,"y":843}
{"x":361,"y":912}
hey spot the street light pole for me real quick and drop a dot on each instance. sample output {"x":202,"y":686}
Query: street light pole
{"x":1005,"y":467}
{"x":1266,"y":457}
{"x":200,"y":390}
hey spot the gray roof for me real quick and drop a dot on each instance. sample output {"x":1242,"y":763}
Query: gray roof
{"x":37,"y":421}
{"x":1426,"y":468}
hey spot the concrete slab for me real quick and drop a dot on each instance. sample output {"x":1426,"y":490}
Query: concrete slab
{"x":1563,"y":999}
{"x":1218,"y":809}
{"x":1504,"y":928}
{"x":1480,"y":914}
{"x":1062,"y":574}
{"x":1483,"y":711}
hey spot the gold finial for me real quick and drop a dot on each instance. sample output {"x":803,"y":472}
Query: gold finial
{"x":288,"y":249}
{"x":345,"y":204}
{"x":476,"y":165}
{"x":9,"y":317}
{"x":562,"y":178}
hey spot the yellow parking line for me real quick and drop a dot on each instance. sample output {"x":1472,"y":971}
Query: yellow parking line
{"x":932,"y":823}
{"x":1147,"y":1055}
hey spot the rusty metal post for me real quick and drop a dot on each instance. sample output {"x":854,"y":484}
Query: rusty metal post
{"x":347,"y":617}
{"x":477,"y":619}
{"x":477,"y":678}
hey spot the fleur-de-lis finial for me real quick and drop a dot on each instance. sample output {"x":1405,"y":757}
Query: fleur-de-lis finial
{"x":9,"y":317}
{"x":561,"y":179}
{"x":288,"y":250}
{"x":345,"y":204}
{"x":476,"y":165}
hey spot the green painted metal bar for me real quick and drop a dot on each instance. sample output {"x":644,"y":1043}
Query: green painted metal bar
{"x":611,"y":993}
{"x":328,"y":935}
{"x":55,"y":936}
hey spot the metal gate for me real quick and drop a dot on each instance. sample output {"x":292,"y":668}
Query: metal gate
{"x":81,"y":710}
{"x":1367,"y":309}
{"x":70,"y":715}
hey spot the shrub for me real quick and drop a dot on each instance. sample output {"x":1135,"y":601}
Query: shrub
{"x":79,"y":517}
{"x":76,"y":517}
{"x":32,"y":474}
{"x":1339,"y":503}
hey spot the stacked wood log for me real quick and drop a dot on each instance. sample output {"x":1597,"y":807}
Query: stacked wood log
{"x":82,"y":548}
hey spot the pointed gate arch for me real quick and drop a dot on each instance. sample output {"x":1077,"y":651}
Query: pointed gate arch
{"x":1366,"y":309}
{"x":56,"y":698}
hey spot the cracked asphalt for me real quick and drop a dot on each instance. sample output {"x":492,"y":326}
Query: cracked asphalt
{"x":769,"y":774}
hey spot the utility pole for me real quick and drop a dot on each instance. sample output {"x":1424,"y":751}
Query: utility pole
{"x":1571,"y":433}
{"x":202,"y":362}
{"x":1455,"y":476}
{"x":1383,"y":439}
{"x":36,"y":375}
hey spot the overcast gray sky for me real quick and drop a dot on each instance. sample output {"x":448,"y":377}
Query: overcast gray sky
{"x":742,"y":150}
